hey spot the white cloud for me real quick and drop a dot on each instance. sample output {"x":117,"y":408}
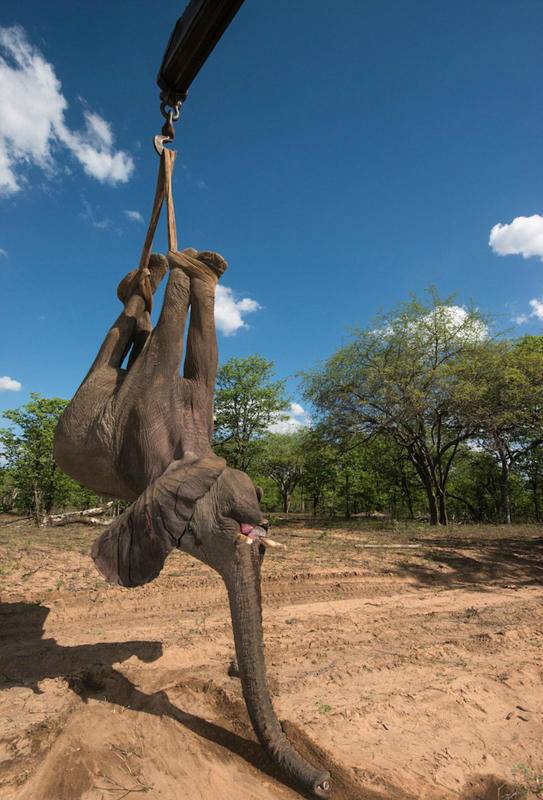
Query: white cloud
{"x":457,"y":321}
{"x":296,"y":418}
{"x":9,"y":385}
{"x":523,"y":236}
{"x":462,"y":323}
{"x":537,"y":308}
{"x":229,"y":311}
{"x":537,"y":312}
{"x":133,"y":216}
{"x":3,"y":253}
{"x":32,"y":124}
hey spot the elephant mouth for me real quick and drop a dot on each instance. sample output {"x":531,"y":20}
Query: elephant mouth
{"x":256,"y":534}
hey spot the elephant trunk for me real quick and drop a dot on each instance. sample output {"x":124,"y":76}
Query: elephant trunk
{"x":243,"y":584}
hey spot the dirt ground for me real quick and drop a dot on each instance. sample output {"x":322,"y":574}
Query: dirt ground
{"x":407,"y":662}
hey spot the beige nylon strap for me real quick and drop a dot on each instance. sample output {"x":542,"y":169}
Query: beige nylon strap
{"x":163,"y":190}
{"x":169,"y":156}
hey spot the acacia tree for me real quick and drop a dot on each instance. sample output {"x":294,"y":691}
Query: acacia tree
{"x":396,"y":379}
{"x":247,"y":401}
{"x":502,"y":391}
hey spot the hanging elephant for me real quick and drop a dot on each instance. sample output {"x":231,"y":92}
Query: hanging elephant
{"x":143,"y":434}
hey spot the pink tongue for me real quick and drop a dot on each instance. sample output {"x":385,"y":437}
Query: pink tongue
{"x":246,"y":528}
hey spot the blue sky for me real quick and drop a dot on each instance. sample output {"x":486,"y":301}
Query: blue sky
{"x":340,"y":156}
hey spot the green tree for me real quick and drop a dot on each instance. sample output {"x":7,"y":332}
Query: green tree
{"x":8,"y":490}
{"x":396,"y":379}
{"x":368,"y":476}
{"x":531,"y":466}
{"x":502,"y":390}
{"x":37,"y":485}
{"x":282,"y":458}
{"x":396,"y":487}
{"x":247,"y":401}
{"x":319,"y":471}
{"x":354,"y":480}
{"x":474,"y":486}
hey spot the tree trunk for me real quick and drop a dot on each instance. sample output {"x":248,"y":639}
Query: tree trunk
{"x":535,"y":489}
{"x":427,"y":480}
{"x":432,"y":506}
{"x":37,"y":504}
{"x":442,"y":508}
{"x":86,"y":516}
{"x":407,"y":496}
{"x":505,"y":500}
{"x":347,"y":496}
{"x":243,"y":585}
{"x":286,"y":500}
{"x":432,"y":502}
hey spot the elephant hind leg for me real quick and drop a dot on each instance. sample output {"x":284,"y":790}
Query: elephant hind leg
{"x":163,"y":351}
{"x":201,"y":359}
{"x":119,"y":337}
{"x":133,"y":325}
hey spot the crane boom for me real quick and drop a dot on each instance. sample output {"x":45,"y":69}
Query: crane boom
{"x":195,"y":35}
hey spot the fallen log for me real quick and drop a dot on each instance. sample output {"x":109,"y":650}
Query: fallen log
{"x":95,"y":521}
{"x":88,"y":516}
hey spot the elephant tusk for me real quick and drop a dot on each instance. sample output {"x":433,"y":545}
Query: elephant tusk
{"x":271,"y":543}
{"x":241,"y":537}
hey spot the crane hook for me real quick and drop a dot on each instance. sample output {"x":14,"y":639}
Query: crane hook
{"x":168,"y":133}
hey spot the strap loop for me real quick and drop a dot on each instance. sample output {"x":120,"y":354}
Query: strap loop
{"x":163,"y":190}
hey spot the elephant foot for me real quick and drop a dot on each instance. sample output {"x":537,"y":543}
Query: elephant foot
{"x":214,"y":261}
{"x":131,"y":284}
{"x":198,"y":264}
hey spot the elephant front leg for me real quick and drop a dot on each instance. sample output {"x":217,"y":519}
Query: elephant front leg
{"x":84,"y":444}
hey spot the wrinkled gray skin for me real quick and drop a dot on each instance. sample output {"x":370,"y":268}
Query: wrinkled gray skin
{"x":143,"y":434}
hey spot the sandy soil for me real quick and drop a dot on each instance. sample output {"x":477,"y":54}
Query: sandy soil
{"x":408,"y":663}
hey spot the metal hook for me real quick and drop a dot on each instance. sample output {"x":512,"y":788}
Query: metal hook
{"x":168,"y":133}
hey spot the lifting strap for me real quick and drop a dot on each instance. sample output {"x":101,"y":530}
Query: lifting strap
{"x":194,"y":37}
{"x":163,"y":191}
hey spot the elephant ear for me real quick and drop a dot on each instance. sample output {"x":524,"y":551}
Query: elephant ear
{"x":133,"y":549}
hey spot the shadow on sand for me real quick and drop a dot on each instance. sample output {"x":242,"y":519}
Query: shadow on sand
{"x":477,"y":564}
{"x":26,"y":658}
